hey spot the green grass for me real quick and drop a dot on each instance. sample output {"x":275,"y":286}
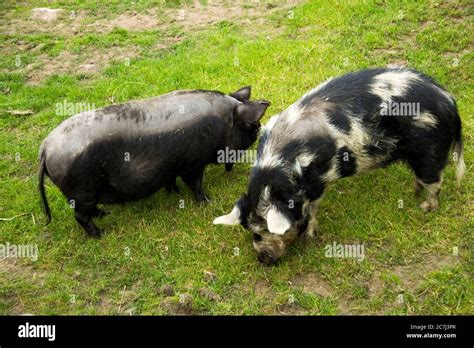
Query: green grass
{"x":153,"y":243}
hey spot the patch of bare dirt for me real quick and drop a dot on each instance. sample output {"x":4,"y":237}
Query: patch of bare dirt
{"x":44,"y":21}
{"x":386,"y":51}
{"x":456,"y":56}
{"x":214,"y":11}
{"x":209,"y":294}
{"x":451,"y":4}
{"x":72,"y":23}
{"x":13,"y":269}
{"x":426,"y":24}
{"x":262,"y":288}
{"x":106,"y":306}
{"x":124,"y":305}
{"x":397,"y":63}
{"x":312,"y":283}
{"x":291,"y":309}
{"x":134,"y":21}
{"x":88,"y":62}
{"x":393,"y":55}
{"x":167,"y":290}
{"x":183,"y":306}
{"x":128,"y":297}
{"x":412,"y":275}
{"x":46,"y":14}
{"x":54,"y":21}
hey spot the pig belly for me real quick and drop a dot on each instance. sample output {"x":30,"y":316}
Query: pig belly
{"x":132,"y":186}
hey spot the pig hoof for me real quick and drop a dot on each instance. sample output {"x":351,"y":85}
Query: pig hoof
{"x":203,"y":198}
{"x":429,"y":206}
{"x":95,"y":233}
{"x":311,"y":232}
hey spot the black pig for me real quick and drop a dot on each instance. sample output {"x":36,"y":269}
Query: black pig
{"x":128,"y":151}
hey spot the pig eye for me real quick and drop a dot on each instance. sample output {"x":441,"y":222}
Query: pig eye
{"x":257,"y":237}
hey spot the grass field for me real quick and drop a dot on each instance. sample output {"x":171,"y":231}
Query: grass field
{"x":159,"y":258}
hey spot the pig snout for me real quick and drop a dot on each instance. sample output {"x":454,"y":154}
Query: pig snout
{"x":267,"y":258}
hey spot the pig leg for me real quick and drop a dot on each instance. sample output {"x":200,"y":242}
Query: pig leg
{"x":83,"y":197}
{"x":171,"y":186}
{"x":98,"y":213}
{"x":312,"y":212}
{"x":433,"y":189}
{"x":418,"y":187}
{"x":428,"y":173}
{"x":83,"y":212}
{"x":194,"y":181}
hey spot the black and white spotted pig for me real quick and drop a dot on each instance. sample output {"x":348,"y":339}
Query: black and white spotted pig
{"x":128,"y":151}
{"x":345,"y":126}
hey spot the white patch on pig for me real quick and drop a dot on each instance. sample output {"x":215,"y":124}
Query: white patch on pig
{"x":425,"y":120}
{"x":292,"y":114}
{"x":333,"y":173}
{"x":392,"y":83}
{"x":305,"y":159}
{"x":270,"y":124}
{"x":269,"y":160}
{"x":264,"y":202}
{"x":302,"y":161}
{"x":298,"y":169}
{"x":256,"y":228}
{"x":357,"y":139}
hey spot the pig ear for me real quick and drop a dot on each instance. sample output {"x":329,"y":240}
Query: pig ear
{"x":252,"y":111}
{"x":243,"y":94}
{"x":233,"y":218}
{"x":277,"y":222}
{"x":237,"y":215}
